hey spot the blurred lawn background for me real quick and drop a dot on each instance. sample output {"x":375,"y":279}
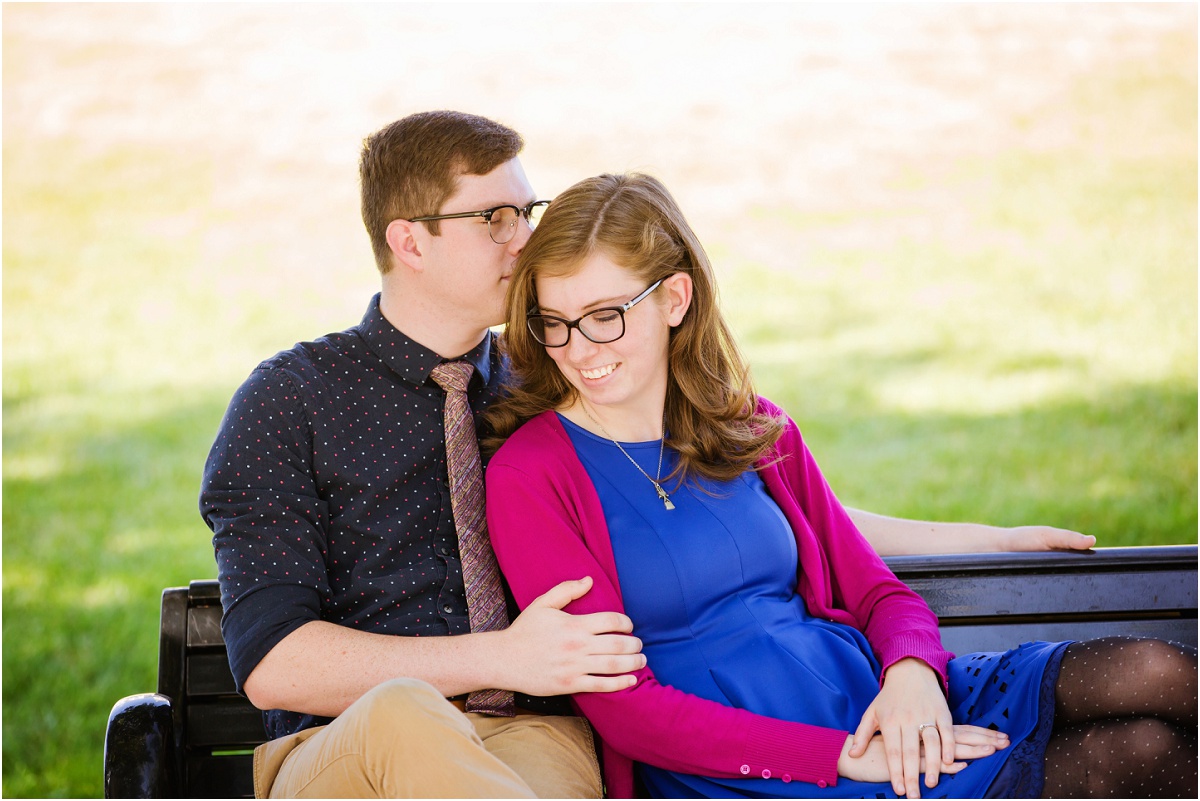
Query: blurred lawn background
{"x":958,"y":243}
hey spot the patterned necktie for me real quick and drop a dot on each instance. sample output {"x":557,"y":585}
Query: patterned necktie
{"x":481,"y":575}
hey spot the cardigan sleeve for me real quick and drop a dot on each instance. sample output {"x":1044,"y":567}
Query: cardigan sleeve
{"x":539,"y":523}
{"x":839,"y":568}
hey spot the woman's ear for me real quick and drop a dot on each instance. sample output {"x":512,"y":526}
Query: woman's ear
{"x":678,"y":297}
{"x":403,"y":240}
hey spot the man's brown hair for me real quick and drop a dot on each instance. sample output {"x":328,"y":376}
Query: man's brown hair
{"x":409,"y":168}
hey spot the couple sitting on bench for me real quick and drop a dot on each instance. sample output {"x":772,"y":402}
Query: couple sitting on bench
{"x":641,"y":488}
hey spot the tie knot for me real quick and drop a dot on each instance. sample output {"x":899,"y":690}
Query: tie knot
{"x":453,"y":376}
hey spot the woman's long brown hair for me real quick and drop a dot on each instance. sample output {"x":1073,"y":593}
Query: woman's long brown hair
{"x":633,"y":220}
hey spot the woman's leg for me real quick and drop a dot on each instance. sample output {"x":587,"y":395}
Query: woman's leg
{"x":1124,"y":721}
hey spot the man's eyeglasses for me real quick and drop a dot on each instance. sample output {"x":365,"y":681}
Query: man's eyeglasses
{"x":599,"y":325}
{"x":501,"y":220}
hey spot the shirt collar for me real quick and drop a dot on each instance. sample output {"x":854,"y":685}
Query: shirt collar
{"x":409,"y":359}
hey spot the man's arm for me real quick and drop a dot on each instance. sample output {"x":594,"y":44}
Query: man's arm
{"x":270,"y":527}
{"x":321,"y":668}
{"x":894,"y":536}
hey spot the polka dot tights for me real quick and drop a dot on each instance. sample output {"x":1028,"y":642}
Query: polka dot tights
{"x":1124,"y":721}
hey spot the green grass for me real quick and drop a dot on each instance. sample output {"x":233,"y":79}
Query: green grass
{"x":103,"y":441}
{"x":1009,"y":338}
{"x":98,"y":519}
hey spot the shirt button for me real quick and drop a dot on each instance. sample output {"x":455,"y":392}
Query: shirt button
{"x":448,"y":609}
{"x":787,"y":777}
{"x":745,"y":769}
{"x":446,"y":550}
{"x":822,"y":783}
{"x":766,"y":773}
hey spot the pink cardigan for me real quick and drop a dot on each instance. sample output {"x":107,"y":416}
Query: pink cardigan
{"x":547,"y":526}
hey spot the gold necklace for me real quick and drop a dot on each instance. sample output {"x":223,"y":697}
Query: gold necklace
{"x":662,"y":493}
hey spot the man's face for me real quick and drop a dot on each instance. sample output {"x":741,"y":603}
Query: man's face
{"x":468,"y":272}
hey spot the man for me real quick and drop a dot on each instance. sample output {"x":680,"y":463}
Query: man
{"x":352,"y":577}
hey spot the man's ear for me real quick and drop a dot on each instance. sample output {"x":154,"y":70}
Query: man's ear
{"x":403,"y":238}
{"x":679,"y":297}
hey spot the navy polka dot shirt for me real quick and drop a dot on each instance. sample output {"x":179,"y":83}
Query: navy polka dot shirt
{"x":327,"y":494}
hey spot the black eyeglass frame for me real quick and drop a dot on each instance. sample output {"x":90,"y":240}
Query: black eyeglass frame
{"x":487,"y":214}
{"x":620,"y":310}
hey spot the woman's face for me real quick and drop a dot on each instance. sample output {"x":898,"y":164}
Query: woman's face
{"x":630,"y":373}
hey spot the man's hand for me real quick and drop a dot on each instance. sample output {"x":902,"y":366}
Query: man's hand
{"x":547,"y":651}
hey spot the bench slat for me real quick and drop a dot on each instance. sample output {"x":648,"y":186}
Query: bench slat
{"x":204,"y":626}
{"x":1123,"y":559}
{"x":230,"y":723}
{"x":1001,"y":637}
{"x":221,"y":776}
{"x":1158,"y":593}
{"x":208,"y":674}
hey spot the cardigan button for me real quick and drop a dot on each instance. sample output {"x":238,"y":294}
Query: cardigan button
{"x":822,"y":783}
{"x":766,"y":773}
{"x":745,"y":769}
{"x":787,"y":777}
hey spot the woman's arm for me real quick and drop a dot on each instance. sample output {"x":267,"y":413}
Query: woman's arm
{"x":842,"y":577}
{"x":896,"y":536}
{"x":840,"y":571}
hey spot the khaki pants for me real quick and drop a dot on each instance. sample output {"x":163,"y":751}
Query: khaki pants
{"x":404,"y":740}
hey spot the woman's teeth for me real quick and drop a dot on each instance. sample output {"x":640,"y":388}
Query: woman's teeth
{"x":599,"y":372}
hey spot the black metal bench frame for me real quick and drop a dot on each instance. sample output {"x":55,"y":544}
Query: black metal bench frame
{"x":195,"y":736}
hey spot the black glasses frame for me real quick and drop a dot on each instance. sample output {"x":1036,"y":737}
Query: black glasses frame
{"x":487,"y":214}
{"x":620,"y":310}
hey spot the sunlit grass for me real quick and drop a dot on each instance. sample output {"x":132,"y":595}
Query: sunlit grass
{"x":1023,"y":350}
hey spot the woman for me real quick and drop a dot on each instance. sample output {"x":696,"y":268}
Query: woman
{"x":784,"y":659}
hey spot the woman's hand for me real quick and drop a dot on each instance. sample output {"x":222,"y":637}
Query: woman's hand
{"x":970,"y":742}
{"x":911,"y":714}
{"x":1046,"y":538}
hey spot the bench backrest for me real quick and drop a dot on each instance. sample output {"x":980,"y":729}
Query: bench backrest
{"x":993,"y":602}
{"x":216,"y":729}
{"x":985,"y":602}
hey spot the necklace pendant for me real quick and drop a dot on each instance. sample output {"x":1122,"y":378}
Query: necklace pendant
{"x":666,"y":499}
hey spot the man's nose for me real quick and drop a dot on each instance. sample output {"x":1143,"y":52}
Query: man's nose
{"x":524,"y":231}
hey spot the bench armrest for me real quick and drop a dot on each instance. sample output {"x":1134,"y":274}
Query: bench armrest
{"x":140,"y":759}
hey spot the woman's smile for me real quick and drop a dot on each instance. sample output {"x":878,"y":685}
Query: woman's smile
{"x":596,"y":373}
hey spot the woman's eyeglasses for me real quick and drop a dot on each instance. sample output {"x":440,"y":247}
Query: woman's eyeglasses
{"x":599,"y":325}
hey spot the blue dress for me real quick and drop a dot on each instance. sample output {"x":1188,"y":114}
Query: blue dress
{"x":711,"y":588}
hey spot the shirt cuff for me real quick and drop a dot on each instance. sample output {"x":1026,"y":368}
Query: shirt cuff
{"x":260,"y":620}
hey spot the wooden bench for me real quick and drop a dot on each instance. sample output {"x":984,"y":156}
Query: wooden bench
{"x":195,"y":736}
